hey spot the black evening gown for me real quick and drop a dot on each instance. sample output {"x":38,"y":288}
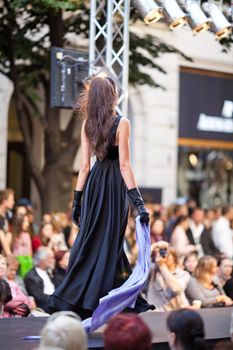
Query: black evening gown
{"x":98,"y":262}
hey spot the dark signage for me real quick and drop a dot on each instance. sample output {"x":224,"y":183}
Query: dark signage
{"x":206,"y":106}
{"x":69,"y":68}
{"x":151,"y":194}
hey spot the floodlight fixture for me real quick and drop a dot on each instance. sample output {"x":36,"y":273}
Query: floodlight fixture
{"x":196,"y":18}
{"x":173,"y":14}
{"x":149,"y":10}
{"x":220,"y":25}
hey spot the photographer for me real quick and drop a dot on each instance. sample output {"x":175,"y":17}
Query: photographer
{"x":167,"y":280}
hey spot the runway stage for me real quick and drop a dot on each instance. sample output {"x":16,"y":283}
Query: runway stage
{"x":217,"y":325}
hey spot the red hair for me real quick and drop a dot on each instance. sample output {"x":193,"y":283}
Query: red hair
{"x":127,"y":332}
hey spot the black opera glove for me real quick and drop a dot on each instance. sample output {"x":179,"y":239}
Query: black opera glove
{"x":76,"y":207}
{"x":137,"y":200}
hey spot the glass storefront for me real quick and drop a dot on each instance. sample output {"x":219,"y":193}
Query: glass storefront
{"x":206,"y":175}
{"x":205,"y":157}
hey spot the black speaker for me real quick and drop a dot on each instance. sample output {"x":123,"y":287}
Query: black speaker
{"x":69,"y":68}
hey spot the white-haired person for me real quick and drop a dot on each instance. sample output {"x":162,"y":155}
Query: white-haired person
{"x":38,"y":281}
{"x":63,"y":330}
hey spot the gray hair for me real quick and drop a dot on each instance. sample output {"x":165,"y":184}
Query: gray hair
{"x":64,"y":330}
{"x":41,"y":254}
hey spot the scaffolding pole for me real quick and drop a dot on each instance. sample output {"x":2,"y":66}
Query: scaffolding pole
{"x":109,"y":43}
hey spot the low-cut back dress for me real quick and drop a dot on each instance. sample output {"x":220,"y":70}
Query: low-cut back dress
{"x":98,"y":262}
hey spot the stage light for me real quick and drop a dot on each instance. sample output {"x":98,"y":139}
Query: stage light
{"x":149,"y":10}
{"x":220,"y":25}
{"x":193,"y":160}
{"x":196,"y":17}
{"x":173,"y":13}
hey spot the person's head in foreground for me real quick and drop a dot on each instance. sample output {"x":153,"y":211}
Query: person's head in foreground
{"x":127,"y":332}
{"x":64,"y":329}
{"x":186,"y":330}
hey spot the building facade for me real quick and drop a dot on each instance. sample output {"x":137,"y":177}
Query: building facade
{"x":159,"y":146}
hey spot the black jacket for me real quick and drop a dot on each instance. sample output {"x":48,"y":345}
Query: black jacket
{"x":206,"y":242}
{"x":59,"y":275}
{"x":35,"y":286}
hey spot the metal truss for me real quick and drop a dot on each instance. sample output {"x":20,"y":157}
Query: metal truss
{"x":109,"y":43}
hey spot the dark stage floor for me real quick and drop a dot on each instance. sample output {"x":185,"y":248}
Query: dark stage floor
{"x":217,"y":325}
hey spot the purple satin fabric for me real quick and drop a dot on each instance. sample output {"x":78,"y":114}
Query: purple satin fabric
{"x":124,"y":296}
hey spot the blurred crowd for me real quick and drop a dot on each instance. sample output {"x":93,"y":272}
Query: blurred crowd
{"x":191,"y":255}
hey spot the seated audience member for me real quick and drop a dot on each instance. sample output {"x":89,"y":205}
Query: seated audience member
{"x":127,"y":332}
{"x":5,"y":294}
{"x":205,"y":285}
{"x":11,"y":272}
{"x":190,"y":262}
{"x":38,"y":281}
{"x":222,"y":232}
{"x":179,"y":239}
{"x":57,"y":241}
{"x":22,"y":244}
{"x":186,"y":329}
{"x":225,"y":276}
{"x":62,"y":260}
{"x":224,"y":270}
{"x":157,"y":231}
{"x":167,"y":280}
{"x":11,"y":275}
{"x":64,"y":330}
{"x":20,"y":304}
{"x":46,"y":232}
{"x":199,"y":235}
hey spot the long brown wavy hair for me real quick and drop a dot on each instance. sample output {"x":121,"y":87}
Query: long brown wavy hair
{"x":97,"y":106}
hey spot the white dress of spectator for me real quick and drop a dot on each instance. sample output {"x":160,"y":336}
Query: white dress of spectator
{"x":222,"y":234}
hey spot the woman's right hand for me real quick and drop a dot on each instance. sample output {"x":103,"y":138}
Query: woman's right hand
{"x":224,"y":299}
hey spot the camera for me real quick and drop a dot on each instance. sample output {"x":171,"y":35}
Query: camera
{"x":163,"y":252}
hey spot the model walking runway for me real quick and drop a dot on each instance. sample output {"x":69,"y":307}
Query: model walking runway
{"x":98,"y":263}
